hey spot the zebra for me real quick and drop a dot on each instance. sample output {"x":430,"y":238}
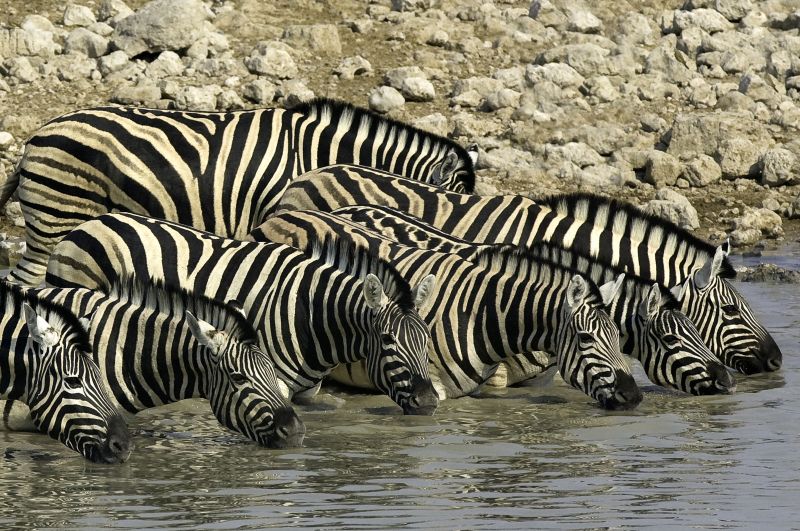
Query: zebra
{"x":312,"y":310}
{"x":620,"y":236}
{"x":157,"y":345}
{"x":46,"y":364}
{"x":218,"y":171}
{"x":651,"y":329}
{"x":498,"y":309}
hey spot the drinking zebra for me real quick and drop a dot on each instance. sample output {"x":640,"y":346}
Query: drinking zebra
{"x":651,"y":329}
{"x":157,"y":345}
{"x":221,"y":172}
{"x":626,"y":241}
{"x":46,"y":364}
{"x":334,"y":304}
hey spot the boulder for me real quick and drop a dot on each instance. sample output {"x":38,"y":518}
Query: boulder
{"x":674,"y":207}
{"x":198,"y":98}
{"x":350,"y":67}
{"x":702,"y":171}
{"x":14,"y":214}
{"x":417,"y":89}
{"x":81,"y":40}
{"x":75,"y":15}
{"x":271,"y":60}
{"x":778,"y":166}
{"x":161,"y":25}
{"x":384,"y":99}
{"x":259,"y":91}
{"x":319,"y":38}
{"x":662,"y":169}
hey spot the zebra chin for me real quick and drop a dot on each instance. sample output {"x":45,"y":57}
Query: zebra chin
{"x":287,"y":430}
{"x":624,"y":394}
{"x":767,"y":357}
{"x":719,"y":382}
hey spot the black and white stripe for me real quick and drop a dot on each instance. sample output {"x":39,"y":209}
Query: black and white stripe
{"x":221,"y":172}
{"x":488,"y":311}
{"x":312,"y":311}
{"x":46,"y":364}
{"x":613,"y":233}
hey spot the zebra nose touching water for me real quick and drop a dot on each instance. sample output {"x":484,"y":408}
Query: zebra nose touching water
{"x":47,"y":364}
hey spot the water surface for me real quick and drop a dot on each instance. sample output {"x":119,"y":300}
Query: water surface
{"x":519,"y":458}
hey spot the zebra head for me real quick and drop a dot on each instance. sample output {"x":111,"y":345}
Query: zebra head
{"x":672,"y":352}
{"x":587,"y":347}
{"x":724,"y":319}
{"x":66,"y":393}
{"x":456,"y":172}
{"x":244,"y":391}
{"x":398,"y":355}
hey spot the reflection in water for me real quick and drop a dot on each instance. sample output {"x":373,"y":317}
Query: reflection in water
{"x":518,"y":458}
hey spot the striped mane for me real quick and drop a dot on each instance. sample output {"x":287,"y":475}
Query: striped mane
{"x":372,"y":121}
{"x":569,"y":203}
{"x":519,"y":261}
{"x":56,"y":315}
{"x":359,"y":262}
{"x":156,"y":295}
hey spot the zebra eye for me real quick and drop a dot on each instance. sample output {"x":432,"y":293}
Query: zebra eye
{"x":238,"y":378}
{"x":731,"y":310}
{"x":72,"y":382}
{"x":671,"y":340}
{"x":585,"y":337}
{"x":387,"y":340}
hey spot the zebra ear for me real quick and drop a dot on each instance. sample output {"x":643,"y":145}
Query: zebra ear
{"x":610,"y":289}
{"x":712,"y":266}
{"x":576,"y":292}
{"x":472,"y":151}
{"x":236,"y":305}
{"x":652,"y":303}
{"x":85,"y":323}
{"x":373,"y":292}
{"x":678,"y":290}
{"x":422,"y":291}
{"x":206,"y":335}
{"x":448,"y":166}
{"x":39,"y":329}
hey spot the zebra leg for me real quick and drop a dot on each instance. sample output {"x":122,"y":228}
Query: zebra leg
{"x":16,"y":416}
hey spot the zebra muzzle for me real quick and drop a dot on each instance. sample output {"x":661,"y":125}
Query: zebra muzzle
{"x":422,"y":399}
{"x":626,"y":394}
{"x":289,"y":430}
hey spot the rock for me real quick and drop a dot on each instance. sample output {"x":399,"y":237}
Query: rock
{"x":547,"y":14}
{"x":350,"y":67}
{"x":83,"y":41}
{"x":14,"y":214}
{"x":778,"y":167}
{"x":733,"y":10}
{"x":673,"y":207}
{"x":113,"y":62}
{"x":21,"y":69}
{"x":702,"y":171}
{"x":470,"y":98}
{"x":161,"y":25}
{"x":635,"y":29}
{"x":259,"y":91}
{"x":11,"y":250}
{"x":384,"y":99}
{"x":417,"y":89}
{"x":600,"y":89}
{"x":502,"y":98}
{"x":767,"y":273}
{"x":229,"y":100}
{"x":584,"y":22}
{"x":770,"y":203}
{"x":577,"y":153}
{"x":587,"y":59}
{"x":166,"y":64}
{"x":197,"y":98}
{"x":757,"y":89}
{"x":395,"y":76}
{"x":75,"y":15}
{"x":469,"y":126}
{"x":653,"y":123}
{"x":662,"y":169}
{"x":294,"y":92}
{"x":733,"y":139}
{"x":267,"y":59}
{"x":512,"y":78}
{"x":754,"y":224}
{"x":136,"y":95}
{"x":665,"y":60}
{"x":413,"y":5}
{"x":26,"y":42}
{"x":438,"y":38}
{"x":320,"y":38}
{"x":37,"y":23}
{"x":434,"y":123}
{"x":113,"y":11}
{"x":506,"y":158}
{"x":558,"y":73}
{"x":6,"y":140}
{"x":708,"y":20}
{"x":73,"y":66}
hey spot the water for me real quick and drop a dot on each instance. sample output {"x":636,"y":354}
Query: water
{"x":521,"y":458}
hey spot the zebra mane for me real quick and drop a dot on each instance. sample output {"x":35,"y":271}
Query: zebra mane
{"x":56,"y":315}
{"x":373,"y":119}
{"x":155,"y":294}
{"x":568,"y":203}
{"x":516,"y":260}
{"x":359,"y":262}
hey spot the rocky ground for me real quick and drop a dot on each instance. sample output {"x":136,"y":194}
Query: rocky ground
{"x":689,"y":109}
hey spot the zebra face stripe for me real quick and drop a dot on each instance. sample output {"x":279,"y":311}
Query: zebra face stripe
{"x":728,"y":326}
{"x":69,"y":402}
{"x":246,"y":397}
{"x":589,"y":357}
{"x":398,"y":359}
{"x":674,"y":355}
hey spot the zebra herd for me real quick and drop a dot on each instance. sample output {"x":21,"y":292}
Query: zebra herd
{"x":244,"y":256}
